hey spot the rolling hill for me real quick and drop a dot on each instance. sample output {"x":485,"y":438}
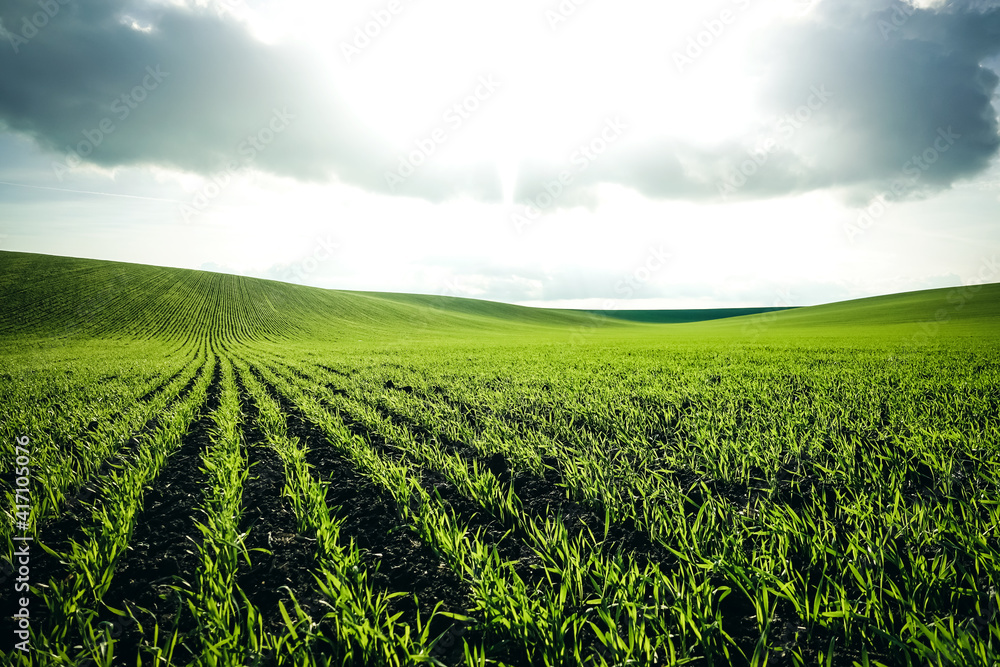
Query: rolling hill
{"x":49,"y":296}
{"x":57,"y":297}
{"x":232,"y":471}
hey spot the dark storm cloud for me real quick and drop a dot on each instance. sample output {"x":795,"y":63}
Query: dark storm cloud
{"x":864,"y":96}
{"x":911,"y":103}
{"x":189,"y":90}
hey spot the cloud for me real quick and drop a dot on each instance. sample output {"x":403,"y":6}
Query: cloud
{"x":911,"y":102}
{"x":126,"y":82}
{"x":118,"y":83}
{"x":867,"y":97}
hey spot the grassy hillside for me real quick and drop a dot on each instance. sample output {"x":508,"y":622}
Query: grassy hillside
{"x":971,"y":303}
{"x":231,"y":471}
{"x":59,"y":297}
{"x":919,"y":317}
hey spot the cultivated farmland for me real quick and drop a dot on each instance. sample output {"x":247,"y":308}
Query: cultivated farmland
{"x":229,"y":471}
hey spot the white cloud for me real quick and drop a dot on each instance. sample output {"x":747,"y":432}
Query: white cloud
{"x":448,"y":229}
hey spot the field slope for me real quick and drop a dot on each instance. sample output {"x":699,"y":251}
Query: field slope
{"x":54,"y":296}
{"x":962,"y":309}
{"x":217,"y":470}
{"x":49,"y":296}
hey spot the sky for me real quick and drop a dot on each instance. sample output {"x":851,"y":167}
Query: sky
{"x":567,"y":153}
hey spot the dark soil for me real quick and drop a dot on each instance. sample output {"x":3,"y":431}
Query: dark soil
{"x":166,"y":383}
{"x":382,"y":531}
{"x":76,"y":512}
{"x":158,"y":552}
{"x":57,"y":534}
{"x":546,"y":496}
{"x":541,"y":497}
{"x":396,"y":559}
{"x":163,"y":551}
{"x":270,"y":519}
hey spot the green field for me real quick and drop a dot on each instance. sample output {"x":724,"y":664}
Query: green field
{"x":680,"y":316}
{"x":230,"y":471}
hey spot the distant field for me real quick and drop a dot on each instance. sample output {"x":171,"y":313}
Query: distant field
{"x":680,"y":316}
{"x":230,"y":471}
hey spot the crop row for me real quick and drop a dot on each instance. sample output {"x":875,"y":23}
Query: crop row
{"x":812,"y":552}
{"x":73,"y":603}
{"x":709,"y":518}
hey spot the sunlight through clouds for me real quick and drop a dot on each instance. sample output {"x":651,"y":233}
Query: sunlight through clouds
{"x":437,"y":139}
